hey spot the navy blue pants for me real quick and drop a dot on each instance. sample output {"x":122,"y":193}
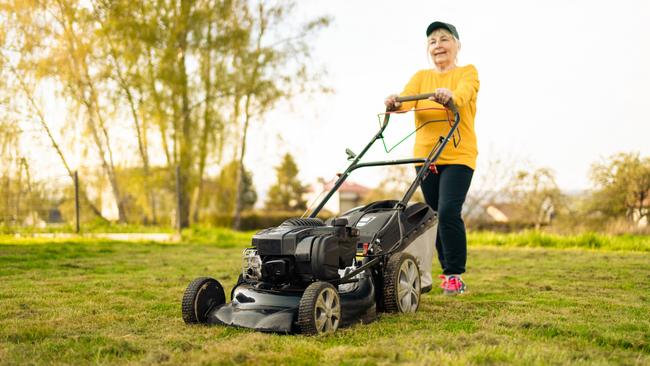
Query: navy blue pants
{"x":445,"y":192}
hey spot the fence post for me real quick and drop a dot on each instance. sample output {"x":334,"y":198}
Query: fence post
{"x":178,"y":199}
{"x":76,"y":201}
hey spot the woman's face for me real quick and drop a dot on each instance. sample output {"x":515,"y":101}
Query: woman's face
{"x":443,"y":48}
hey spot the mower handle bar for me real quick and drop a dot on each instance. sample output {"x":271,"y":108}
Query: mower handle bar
{"x":433,"y":155}
{"x":410,"y":98}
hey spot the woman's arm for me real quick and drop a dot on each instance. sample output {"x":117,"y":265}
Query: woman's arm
{"x":465,"y":91}
{"x":467,"y":87}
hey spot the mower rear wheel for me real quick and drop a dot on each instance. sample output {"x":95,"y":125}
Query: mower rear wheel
{"x":320,"y":309}
{"x":201,"y":295}
{"x":401,"y":284}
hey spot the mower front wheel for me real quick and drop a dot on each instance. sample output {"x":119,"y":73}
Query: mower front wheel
{"x":320,"y":309}
{"x":401,"y":284}
{"x":200,"y":297}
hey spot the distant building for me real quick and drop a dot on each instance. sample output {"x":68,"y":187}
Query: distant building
{"x":348,"y":196}
{"x":507,"y":212}
{"x":502,"y":212}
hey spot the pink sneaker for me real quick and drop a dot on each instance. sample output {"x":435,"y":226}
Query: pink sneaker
{"x":452,"y":285}
{"x":443,"y":284}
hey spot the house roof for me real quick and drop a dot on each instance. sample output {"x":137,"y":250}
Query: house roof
{"x":503,"y":212}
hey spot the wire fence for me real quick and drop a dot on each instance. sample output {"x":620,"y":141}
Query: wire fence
{"x":86,"y":202}
{"x":71,"y":202}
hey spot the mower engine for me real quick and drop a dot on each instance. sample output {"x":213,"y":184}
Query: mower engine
{"x":300,"y":251}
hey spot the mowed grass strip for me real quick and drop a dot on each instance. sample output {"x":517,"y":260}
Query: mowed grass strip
{"x":536,"y":239}
{"x":119,"y":303}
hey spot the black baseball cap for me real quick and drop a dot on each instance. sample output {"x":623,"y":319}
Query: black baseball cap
{"x":436,"y":25}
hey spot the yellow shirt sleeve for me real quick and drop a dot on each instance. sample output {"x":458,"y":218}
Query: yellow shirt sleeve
{"x":467,"y":87}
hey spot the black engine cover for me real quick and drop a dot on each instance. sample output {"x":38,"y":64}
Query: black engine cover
{"x":305,"y":253}
{"x":305,"y":250}
{"x":377,"y":222}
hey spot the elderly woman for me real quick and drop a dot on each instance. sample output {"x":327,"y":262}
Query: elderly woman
{"x":446,"y":190}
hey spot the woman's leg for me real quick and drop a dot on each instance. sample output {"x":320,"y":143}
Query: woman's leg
{"x":454,"y":182}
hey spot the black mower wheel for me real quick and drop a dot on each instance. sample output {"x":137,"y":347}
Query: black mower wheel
{"x":401,"y":292}
{"x":320,"y":309}
{"x":201,"y":296}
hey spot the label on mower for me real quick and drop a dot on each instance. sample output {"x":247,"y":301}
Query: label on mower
{"x":365,"y":220}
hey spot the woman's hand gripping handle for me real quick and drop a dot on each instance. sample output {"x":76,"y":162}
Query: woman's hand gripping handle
{"x":443,"y":96}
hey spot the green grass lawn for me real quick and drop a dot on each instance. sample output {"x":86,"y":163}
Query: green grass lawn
{"x":81,"y":302}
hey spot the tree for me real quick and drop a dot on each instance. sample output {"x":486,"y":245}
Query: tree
{"x":21,"y":200}
{"x":243,"y":68}
{"x":11,"y":166}
{"x":490,"y":183}
{"x":122,"y":68}
{"x":55,"y":43}
{"x":24,"y":38}
{"x":396,"y":181}
{"x":225,"y":189}
{"x":535,"y":195}
{"x":622,"y":186}
{"x":173,"y":74}
{"x":272,"y":67}
{"x":187,"y":78}
{"x":286,"y":194}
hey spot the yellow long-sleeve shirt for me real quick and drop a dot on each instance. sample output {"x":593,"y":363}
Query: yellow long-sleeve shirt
{"x":463,"y":82}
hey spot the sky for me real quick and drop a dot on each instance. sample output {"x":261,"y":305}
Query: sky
{"x":564,"y":84}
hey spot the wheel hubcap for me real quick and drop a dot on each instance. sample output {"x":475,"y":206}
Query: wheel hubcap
{"x":327,"y":311}
{"x":408,"y":288}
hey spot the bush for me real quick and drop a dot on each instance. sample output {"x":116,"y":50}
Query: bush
{"x":500,"y":227}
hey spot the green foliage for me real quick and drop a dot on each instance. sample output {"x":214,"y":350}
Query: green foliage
{"x":286,"y":194}
{"x":253,"y":220}
{"x":23,"y":202}
{"x":224,"y":238}
{"x":13,"y":166}
{"x":222,"y":193}
{"x":535,"y":195}
{"x":623,"y":187}
{"x":180,"y":75}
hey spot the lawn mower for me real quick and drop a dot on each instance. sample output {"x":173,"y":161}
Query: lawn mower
{"x":312,"y":276}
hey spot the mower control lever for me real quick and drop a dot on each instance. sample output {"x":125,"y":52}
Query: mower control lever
{"x":351,"y":155}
